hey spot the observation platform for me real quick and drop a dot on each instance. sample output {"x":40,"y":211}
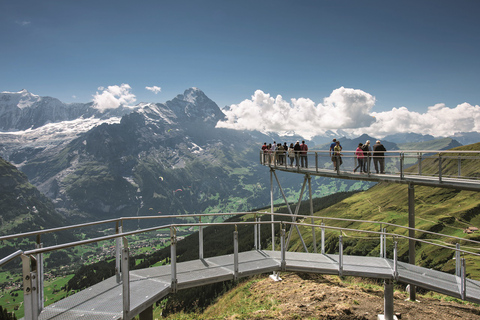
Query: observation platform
{"x":444,"y":169}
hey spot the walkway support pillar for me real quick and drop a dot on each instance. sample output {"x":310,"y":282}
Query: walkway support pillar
{"x":173,"y":258}
{"x":147,"y":314}
{"x":388,"y":300}
{"x":314,"y":238}
{"x":271,"y":210}
{"x":411,"y":233}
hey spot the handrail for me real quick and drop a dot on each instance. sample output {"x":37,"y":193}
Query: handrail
{"x":119,"y":235}
{"x":374,"y":222}
{"x":207,"y":224}
{"x":10,"y":257}
{"x":87,"y":224}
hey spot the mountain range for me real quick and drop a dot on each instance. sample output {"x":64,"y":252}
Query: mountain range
{"x":149,"y":159}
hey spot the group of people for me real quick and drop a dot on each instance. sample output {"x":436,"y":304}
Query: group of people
{"x":276,"y":153}
{"x":364,"y":154}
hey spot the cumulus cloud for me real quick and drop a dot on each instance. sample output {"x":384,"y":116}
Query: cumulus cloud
{"x":113,"y":97}
{"x":348,"y":110}
{"x":344,"y":108}
{"x":154,"y":89}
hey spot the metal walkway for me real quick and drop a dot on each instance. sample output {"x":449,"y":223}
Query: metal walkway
{"x":104,"y":301}
{"x":445,"y":169}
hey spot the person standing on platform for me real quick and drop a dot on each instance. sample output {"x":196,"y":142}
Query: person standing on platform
{"x":332,"y":152}
{"x":360,"y":157}
{"x":338,"y":155}
{"x":304,"y":154}
{"x":291,"y":154}
{"x":379,"y":156}
{"x":264,"y":150}
{"x":297,"y":150}
{"x":367,"y":156}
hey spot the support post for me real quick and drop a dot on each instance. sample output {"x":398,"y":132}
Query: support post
{"x":458,"y":262}
{"x":200,"y":240}
{"x":290,"y":211}
{"x":259,"y":234}
{"x":323,"y":238}
{"x":283,"y":264}
{"x":340,"y":255}
{"x":388,"y":300}
{"x":235,"y":254}
{"x":40,"y":277}
{"x":125,"y":279}
{"x":411,"y":233}
{"x":255,"y":230}
{"x":395,"y":260}
{"x":146,"y":314}
{"x":401,"y":164}
{"x":314,"y":238}
{"x":420,"y":164}
{"x":381,"y":242}
{"x":271,"y":210}
{"x":440,"y":168}
{"x":30,"y":287}
{"x":464,"y":279}
{"x":118,"y":254}
{"x":173,"y":258}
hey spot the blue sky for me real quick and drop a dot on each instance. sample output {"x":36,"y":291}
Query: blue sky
{"x":412,"y":54}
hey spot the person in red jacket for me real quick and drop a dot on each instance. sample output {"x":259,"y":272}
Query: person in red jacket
{"x":303,"y":155}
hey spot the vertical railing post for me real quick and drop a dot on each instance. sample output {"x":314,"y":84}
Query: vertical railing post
{"x":395,"y":260}
{"x":459,"y":166}
{"x":118,"y":253}
{"x":255,"y":231}
{"x":316,"y":162}
{"x":401,"y":164}
{"x":420,"y":164}
{"x":384,"y":243}
{"x":464,"y":279}
{"x":381,"y":241}
{"x":235,"y":254}
{"x":439,"y":168}
{"x":259,"y":234}
{"x":323,"y":238}
{"x":40,"y":275}
{"x":458,"y":263}
{"x":283,"y":249}
{"x":200,"y":239}
{"x":340,"y":255}
{"x":30,"y":287}
{"x":173,"y":258}
{"x":125,"y":279}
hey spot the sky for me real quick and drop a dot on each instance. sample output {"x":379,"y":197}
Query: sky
{"x":370,"y":66}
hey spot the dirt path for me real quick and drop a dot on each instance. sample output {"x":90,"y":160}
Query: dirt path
{"x":307,"y":296}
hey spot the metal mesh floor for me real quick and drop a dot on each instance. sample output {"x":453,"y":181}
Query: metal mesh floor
{"x":104,"y":300}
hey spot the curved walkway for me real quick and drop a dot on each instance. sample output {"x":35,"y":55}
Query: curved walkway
{"x":104,"y":300}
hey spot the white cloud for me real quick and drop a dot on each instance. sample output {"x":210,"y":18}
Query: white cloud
{"x":154,"y":89}
{"x":113,"y":97}
{"x":23,"y":23}
{"x":344,"y":108}
{"x":349,"y":110}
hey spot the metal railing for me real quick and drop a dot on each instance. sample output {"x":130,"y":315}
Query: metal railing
{"x":32,"y":260}
{"x":429,"y":163}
